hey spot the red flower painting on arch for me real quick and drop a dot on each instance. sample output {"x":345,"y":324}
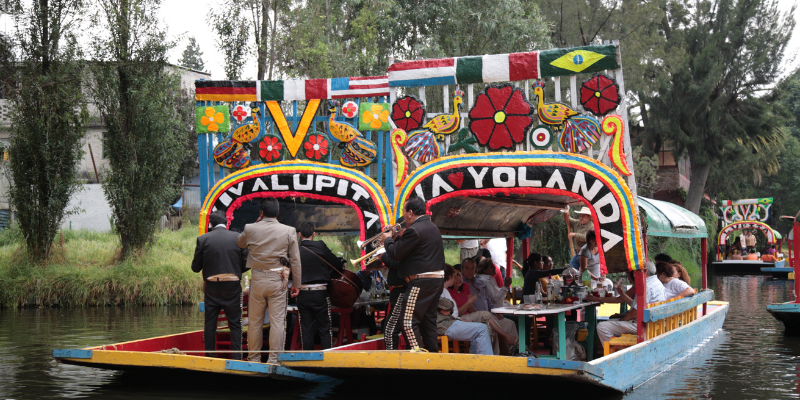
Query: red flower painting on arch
{"x":500,"y":117}
{"x":270,"y":148}
{"x":600,"y":94}
{"x":408,"y":113}
{"x":316,"y":147}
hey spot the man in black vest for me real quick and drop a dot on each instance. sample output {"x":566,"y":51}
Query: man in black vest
{"x":313,"y":303}
{"x":397,"y":289}
{"x":222,"y":262}
{"x":420,"y":254}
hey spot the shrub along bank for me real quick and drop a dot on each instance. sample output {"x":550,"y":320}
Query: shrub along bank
{"x":84,"y":271}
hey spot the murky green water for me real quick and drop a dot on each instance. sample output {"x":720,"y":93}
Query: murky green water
{"x":750,"y":358}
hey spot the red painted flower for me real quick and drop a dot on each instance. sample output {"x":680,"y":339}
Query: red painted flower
{"x":500,"y":117}
{"x":408,"y":113}
{"x":600,"y":94}
{"x":316,"y":147}
{"x":270,"y":148}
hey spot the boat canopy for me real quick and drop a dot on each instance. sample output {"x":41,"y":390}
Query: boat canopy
{"x":669,"y":220}
{"x":772,"y":235}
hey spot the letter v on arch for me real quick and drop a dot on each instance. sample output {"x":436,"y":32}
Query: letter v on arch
{"x":293,"y":140}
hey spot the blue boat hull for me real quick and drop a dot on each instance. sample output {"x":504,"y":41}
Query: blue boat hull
{"x":778,"y":272}
{"x":743,"y":267}
{"x":788,"y":314}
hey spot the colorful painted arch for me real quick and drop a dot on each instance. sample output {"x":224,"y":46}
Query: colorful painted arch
{"x":321,"y":182}
{"x":771,"y":234}
{"x":581,"y":178}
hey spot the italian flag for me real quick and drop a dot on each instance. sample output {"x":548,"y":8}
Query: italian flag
{"x":498,"y":68}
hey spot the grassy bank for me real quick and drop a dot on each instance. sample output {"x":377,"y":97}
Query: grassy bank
{"x":83,"y":272}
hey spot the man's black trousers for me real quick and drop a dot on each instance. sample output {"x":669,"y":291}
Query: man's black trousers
{"x":394,"y":325}
{"x":225,"y":296}
{"x":314,"y":306}
{"x":420,"y":304}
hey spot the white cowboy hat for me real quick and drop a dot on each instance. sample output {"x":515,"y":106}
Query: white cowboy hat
{"x":585,"y":211}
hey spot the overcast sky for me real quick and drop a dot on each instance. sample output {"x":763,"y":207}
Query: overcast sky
{"x":185,"y":19}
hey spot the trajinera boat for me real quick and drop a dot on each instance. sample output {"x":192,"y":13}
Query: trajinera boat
{"x":789,"y":313}
{"x":487,"y":172}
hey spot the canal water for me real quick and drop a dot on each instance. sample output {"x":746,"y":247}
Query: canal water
{"x":750,"y":358}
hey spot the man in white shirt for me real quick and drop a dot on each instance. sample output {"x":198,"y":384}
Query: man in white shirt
{"x":469,"y":248}
{"x":627,"y":324}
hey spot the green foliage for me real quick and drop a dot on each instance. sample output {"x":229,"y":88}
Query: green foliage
{"x":231,"y":30}
{"x":136,"y":93}
{"x":79,"y":274}
{"x":709,"y":107}
{"x":48,"y":121}
{"x":646,"y":172}
{"x":550,"y":238}
{"x":192,"y":57}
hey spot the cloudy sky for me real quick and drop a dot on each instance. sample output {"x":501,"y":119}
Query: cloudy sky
{"x":184,"y":20}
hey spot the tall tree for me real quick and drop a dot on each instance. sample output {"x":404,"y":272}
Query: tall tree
{"x":709,"y":107}
{"x":192,"y":57}
{"x":48,"y":120}
{"x":231,"y":30}
{"x":136,"y":94}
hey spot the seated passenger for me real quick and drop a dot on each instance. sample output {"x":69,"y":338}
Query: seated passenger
{"x":590,"y":257}
{"x":673,"y":287}
{"x":476,"y":286}
{"x":499,"y":334}
{"x":448,"y":323}
{"x":752,"y":256}
{"x":495,"y":293}
{"x":627,"y":324}
{"x":680,"y":272}
{"x":461,"y":293}
{"x":536,"y":272}
{"x":769,"y":256}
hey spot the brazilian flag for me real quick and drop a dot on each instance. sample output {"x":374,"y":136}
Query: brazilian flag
{"x":578,"y":60}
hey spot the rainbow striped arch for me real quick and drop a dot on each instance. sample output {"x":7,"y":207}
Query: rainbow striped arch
{"x":307,"y":179}
{"x":737,"y":226}
{"x":564,"y":174}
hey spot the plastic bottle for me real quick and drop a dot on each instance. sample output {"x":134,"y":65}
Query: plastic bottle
{"x":551,"y":292}
{"x":538,"y":294}
{"x":586,"y":277}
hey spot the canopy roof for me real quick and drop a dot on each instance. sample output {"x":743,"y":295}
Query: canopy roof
{"x":669,"y":220}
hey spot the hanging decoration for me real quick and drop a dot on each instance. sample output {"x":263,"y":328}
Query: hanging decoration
{"x":293,"y":140}
{"x":600,"y":94}
{"x":398,"y":139}
{"x":233,"y":152}
{"x":270,"y":149}
{"x":212,"y":119}
{"x":466,"y":141}
{"x":541,"y":137}
{"x":240,"y":113}
{"x":422,"y":146}
{"x":316,"y":146}
{"x":408,"y":113}
{"x":350,"y":109}
{"x":445,"y":124}
{"x":500,"y":117}
{"x":614,"y":126}
{"x":356,"y":151}
{"x":373,"y":116}
{"x":576,"y":132}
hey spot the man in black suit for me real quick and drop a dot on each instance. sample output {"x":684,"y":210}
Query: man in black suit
{"x":420,"y":256}
{"x":313,"y":302}
{"x":222,"y":262}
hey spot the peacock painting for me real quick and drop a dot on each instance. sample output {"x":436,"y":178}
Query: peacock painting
{"x":234,"y":151}
{"x":576,"y":132}
{"x":356,"y":150}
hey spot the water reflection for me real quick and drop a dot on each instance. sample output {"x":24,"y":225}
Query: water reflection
{"x":750,"y":358}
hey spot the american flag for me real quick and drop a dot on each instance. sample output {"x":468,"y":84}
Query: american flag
{"x":362,"y":86}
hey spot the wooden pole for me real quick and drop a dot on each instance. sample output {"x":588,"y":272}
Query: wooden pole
{"x":93,"y":164}
{"x":641,"y":303}
{"x":704,"y":266}
{"x":571,"y":245}
{"x":509,"y":256}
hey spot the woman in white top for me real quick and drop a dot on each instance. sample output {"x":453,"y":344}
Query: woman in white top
{"x":590,"y":257}
{"x":673,"y":287}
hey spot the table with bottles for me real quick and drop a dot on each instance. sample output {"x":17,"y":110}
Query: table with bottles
{"x":558,"y":311}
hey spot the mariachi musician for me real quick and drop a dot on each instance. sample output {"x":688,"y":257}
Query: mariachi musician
{"x":397,"y":288}
{"x":313,"y":301}
{"x":420,"y":256}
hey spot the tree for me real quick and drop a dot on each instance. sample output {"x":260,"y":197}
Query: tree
{"x":136,"y":94}
{"x":48,"y":121}
{"x":192,"y":57}
{"x":709,"y":106}
{"x":231,"y":30}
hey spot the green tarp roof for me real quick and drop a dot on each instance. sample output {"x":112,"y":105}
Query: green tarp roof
{"x":669,"y":220}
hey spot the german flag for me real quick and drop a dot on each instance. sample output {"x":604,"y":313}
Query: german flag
{"x":226,"y":91}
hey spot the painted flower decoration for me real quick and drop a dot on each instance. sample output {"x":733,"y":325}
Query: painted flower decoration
{"x":350,"y":109}
{"x":212,"y":119}
{"x":240,"y":113}
{"x":500,"y":117}
{"x":316,"y":147}
{"x":408,"y":113}
{"x":600,"y":94}
{"x":270,"y":148}
{"x":376,"y":116}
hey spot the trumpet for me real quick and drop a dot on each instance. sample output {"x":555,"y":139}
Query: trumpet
{"x":370,"y":258}
{"x":376,"y":240}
